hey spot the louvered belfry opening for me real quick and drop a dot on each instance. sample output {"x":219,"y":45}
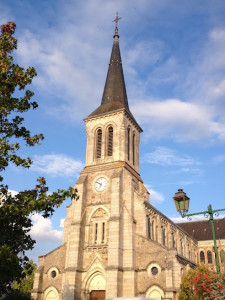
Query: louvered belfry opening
{"x":128,"y":143}
{"x":99,"y":144}
{"x":133,"y":150}
{"x":110,"y":141}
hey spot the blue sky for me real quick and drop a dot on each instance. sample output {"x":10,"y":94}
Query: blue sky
{"x":174,"y":66}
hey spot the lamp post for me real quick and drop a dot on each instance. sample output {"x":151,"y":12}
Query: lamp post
{"x":182,"y":205}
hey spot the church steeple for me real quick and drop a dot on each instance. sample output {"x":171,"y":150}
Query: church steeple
{"x":112,"y":132}
{"x":115,"y":89}
{"x":114,"y":94}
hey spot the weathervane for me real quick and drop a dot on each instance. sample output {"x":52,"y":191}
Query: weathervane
{"x":116,"y":19}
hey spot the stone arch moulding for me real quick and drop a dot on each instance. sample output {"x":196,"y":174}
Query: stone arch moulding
{"x":95,"y":280}
{"x":155,"y":292}
{"x":53,"y":268}
{"x":153,"y":265}
{"x":94,"y":210}
{"x":96,"y":127}
{"x":98,"y":227}
{"x":110,"y":123}
{"x":51,"y":293}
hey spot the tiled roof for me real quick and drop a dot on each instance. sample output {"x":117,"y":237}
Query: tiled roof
{"x":202,"y":230}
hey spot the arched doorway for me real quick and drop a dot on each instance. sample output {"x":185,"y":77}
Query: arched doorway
{"x":51,"y":294}
{"x":97,"y":295}
{"x":97,"y":286}
{"x":155,"y":293}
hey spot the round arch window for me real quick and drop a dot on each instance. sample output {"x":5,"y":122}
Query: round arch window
{"x":154,"y":271}
{"x":53,"y":274}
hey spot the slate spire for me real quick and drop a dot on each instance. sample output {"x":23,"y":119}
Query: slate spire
{"x":115,"y":89}
{"x":114,"y":94}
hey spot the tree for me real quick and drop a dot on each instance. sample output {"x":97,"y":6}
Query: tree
{"x":26,"y":284}
{"x":21,"y":290}
{"x":202,"y":283}
{"x":15,"y":211}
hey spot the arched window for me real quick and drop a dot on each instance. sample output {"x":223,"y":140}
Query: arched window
{"x":98,"y":227}
{"x":99,"y":144}
{"x":128,"y":143}
{"x":188,"y":251}
{"x":173,"y":240}
{"x":222,"y":255}
{"x":148,"y":227}
{"x":181,"y":247}
{"x":110,"y":141}
{"x":202,"y":256}
{"x":163,"y":235}
{"x":153,"y":229}
{"x":209,"y":257}
{"x":133,"y":148}
{"x":96,"y":233}
{"x":103,"y":232}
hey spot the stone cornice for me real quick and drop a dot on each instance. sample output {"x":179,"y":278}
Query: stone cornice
{"x":162,"y":216}
{"x":111,"y":166}
{"x":184,"y":261}
{"x":113,"y":113}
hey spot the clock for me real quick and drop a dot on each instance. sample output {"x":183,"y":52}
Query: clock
{"x":100,"y":184}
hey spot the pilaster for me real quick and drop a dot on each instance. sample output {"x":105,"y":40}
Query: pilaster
{"x":72,"y":278}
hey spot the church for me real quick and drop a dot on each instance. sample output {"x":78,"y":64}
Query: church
{"x":115,"y":243}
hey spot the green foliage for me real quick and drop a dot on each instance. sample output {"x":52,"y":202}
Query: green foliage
{"x":25,"y":285}
{"x":21,"y":290}
{"x":202,"y":283}
{"x":15,"y":211}
{"x":14,"y":78}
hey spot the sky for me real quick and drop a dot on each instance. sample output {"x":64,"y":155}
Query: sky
{"x":174,"y":66}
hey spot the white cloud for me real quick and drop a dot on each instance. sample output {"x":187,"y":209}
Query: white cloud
{"x":178,"y":120}
{"x":167,"y":157}
{"x":56,"y":165}
{"x":10,"y":192}
{"x":62,"y":223}
{"x":194,"y":218}
{"x":155,"y":197}
{"x":199,"y":116}
{"x":13,"y":193}
{"x":42,"y":230}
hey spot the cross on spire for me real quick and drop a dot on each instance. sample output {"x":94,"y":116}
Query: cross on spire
{"x":116,"y":19}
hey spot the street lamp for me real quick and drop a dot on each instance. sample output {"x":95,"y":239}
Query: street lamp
{"x":182,"y":204}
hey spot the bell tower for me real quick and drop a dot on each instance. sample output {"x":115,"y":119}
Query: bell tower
{"x":112,"y":132}
{"x":99,"y":228}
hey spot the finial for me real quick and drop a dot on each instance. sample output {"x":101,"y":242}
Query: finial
{"x":116,"y":19}
{"x":116,"y":29}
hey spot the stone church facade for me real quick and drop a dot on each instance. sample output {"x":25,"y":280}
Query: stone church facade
{"x":115,"y":243}
{"x":202,"y":232}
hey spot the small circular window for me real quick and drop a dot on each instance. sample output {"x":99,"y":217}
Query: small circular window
{"x":154,"y":271}
{"x":53,"y":274}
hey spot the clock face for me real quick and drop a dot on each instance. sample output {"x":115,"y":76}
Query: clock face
{"x":100,"y":184}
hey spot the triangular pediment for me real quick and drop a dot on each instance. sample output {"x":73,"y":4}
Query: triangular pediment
{"x":96,"y":263}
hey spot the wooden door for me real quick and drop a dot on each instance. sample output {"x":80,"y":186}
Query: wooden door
{"x":97,"y":295}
